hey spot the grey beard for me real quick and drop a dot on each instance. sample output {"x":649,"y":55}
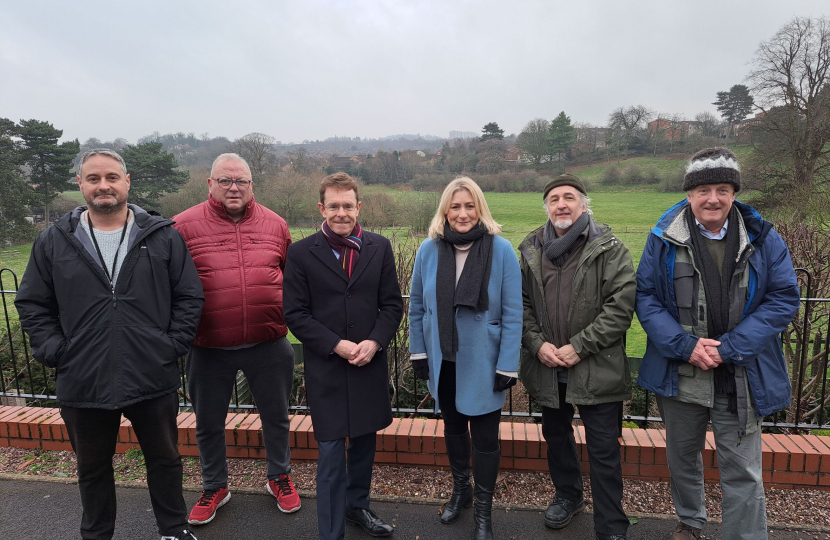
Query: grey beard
{"x":564,"y":224}
{"x":107,"y":208}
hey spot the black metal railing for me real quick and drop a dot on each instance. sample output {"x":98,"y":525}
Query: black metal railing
{"x":23,"y":380}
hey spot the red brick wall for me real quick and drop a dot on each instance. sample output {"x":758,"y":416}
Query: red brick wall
{"x":788,"y":460}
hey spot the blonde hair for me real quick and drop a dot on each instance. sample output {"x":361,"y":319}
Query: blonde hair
{"x":436,"y":228}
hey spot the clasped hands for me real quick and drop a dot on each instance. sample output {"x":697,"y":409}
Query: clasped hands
{"x":705,"y":354}
{"x":553,"y":357}
{"x":357,"y":354}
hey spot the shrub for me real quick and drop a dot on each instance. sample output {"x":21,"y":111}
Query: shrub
{"x":672,"y":182}
{"x":417,"y":211}
{"x":611,"y":175}
{"x":379,"y":210}
{"x":651,"y":175}
{"x":633,"y":175}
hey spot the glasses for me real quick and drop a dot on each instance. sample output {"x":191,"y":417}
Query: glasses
{"x":227,"y":182}
{"x":334,"y":208}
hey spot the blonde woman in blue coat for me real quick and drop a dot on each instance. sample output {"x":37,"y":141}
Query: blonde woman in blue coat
{"x":465,"y":326}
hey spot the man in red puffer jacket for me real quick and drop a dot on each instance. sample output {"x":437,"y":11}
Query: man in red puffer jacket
{"x":239,"y":249}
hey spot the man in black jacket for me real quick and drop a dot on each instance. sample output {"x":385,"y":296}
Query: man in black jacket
{"x":342,"y":300}
{"x":111,"y":299}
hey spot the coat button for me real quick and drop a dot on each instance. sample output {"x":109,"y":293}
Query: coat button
{"x":348,"y":295}
{"x":351,"y":325}
{"x":478,"y":317}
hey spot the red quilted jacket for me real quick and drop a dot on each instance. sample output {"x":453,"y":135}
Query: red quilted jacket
{"x":241,"y":266}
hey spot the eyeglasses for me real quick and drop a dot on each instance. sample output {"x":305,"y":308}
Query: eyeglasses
{"x":334,"y":208}
{"x":227,"y":182}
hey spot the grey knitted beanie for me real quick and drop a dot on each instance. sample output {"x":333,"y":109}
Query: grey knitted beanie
{"x":713,"y":166}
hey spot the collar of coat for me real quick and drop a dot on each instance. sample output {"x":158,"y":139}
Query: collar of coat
{"x":531,"y":246}
{"x":322,"y":250}
{"x":671,"y":226}
{"x":218,"y":208}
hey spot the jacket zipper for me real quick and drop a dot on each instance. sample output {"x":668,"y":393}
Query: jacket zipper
{"x":97,"y":270}
{"x":240,"y":256}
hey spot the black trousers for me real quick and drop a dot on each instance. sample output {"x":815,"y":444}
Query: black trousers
{"x":602,"y":431}
{"x":342,"y":482}
{"x":484,"y":429}
{"x":93,"y":434}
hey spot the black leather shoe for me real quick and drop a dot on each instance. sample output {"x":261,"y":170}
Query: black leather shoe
{"x":368,"y":521}
{"x":561,"y":511}
{"x":611,"y":536}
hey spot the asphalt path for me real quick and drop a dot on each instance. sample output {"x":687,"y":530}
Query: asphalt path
{"x":52,"y":511}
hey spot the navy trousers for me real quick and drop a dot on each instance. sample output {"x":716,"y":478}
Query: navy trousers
{"x":342,"y":482}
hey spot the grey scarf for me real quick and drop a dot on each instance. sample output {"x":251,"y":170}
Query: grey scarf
{"x":557,"y":249}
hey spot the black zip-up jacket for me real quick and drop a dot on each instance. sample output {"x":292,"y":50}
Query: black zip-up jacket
{"x":111,"y":348}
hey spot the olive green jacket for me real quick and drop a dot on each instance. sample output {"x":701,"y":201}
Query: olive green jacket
{"x":602,"y":306}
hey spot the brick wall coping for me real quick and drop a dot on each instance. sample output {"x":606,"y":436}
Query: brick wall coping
{"x":788,"y":460}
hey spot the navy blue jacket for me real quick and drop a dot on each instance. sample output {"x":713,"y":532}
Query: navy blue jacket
{"x":755,"y":343}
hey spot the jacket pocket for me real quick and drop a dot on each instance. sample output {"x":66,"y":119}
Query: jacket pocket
{"x":529,"y":374}
{"x":609,"y":373}
{"x":685,"y":293}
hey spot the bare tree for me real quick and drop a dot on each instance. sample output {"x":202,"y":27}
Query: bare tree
{"x":257,"y":150}
{"x":791,"y":79}
{"x":627,"y":123}
{"x":708,"y":123}
{"x":533,"y":140}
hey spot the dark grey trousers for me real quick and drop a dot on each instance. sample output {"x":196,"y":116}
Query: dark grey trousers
{"x":269,"y":369}
{"x":342,"y":482}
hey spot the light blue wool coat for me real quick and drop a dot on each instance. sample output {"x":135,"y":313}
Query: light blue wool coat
{"x":487,"y":341}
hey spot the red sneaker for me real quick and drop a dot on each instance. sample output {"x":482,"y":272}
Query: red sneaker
{"x":288,"y":500}
{"x":209,"y":502}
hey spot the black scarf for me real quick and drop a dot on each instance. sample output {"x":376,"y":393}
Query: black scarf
{"x":716,"y":286}
{"x":471,"y":290}
{"x":558,"y":249}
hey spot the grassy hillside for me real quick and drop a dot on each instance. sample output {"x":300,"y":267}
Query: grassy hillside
{"x":631,"y":214}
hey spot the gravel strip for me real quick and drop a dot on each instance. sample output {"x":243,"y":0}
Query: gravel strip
{"x":514,"y":489}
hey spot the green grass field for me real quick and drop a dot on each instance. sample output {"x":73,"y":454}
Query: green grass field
{"x":631,"y":215}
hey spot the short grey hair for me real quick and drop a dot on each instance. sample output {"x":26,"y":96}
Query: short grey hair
{"x":101,"y":152}
{"x":229,"y":156}
{"x":585,"y":201}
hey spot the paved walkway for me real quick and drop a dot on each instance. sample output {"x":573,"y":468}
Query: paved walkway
{"x":52,"y":511}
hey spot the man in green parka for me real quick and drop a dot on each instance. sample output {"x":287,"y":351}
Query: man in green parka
{"x":578,"y":289}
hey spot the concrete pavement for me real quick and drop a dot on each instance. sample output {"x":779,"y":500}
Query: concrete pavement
{"x":51,"y":510}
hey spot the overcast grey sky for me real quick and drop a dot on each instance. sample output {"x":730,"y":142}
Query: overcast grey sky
{"x":317,"y":68}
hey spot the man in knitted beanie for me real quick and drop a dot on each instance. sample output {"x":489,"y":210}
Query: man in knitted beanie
{"x":715,"y":289}
{"x":578,"y":288}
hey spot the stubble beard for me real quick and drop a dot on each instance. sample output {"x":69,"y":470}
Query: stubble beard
{"x":107,"y":208}
{"x":563,"y":224}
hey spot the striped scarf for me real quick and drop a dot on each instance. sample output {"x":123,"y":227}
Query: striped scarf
{"x":348,"y":246}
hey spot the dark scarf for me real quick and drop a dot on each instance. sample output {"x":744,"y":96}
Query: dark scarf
{"x":716,"y":286}
{"x":558,"y":249}
{"x":471,"y":290}
{"x":349,"y":246}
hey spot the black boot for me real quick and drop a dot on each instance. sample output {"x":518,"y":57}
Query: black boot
{"x":485,"y":471}
{"x":458,"y":450}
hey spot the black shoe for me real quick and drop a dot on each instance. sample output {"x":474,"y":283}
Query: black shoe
{"x":184,"y":535}
{"x":458,"y":451}
{"x":560,"y":512}
{"x":368,"y":521}
{"x":485,"y":471}
{"x":610,"y":536}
